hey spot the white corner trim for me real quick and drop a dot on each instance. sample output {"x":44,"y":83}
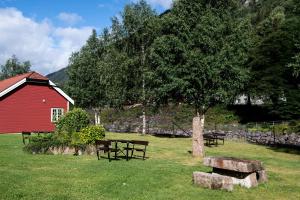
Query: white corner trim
{"x":61,"y":92}
{"x":11,"y":88}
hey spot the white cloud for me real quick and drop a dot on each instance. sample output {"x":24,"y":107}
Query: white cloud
{"x":70,"y":18}
{"x":101,"y":5}
{"x":46,"y":46}
{"x":163,"y":3}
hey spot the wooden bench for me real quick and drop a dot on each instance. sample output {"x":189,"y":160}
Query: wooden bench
{"x":213,"y":138}
{"x":106,"y":147}
{"x":139,"y":146}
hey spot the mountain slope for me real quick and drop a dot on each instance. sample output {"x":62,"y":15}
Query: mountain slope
{"x":59,"y":77}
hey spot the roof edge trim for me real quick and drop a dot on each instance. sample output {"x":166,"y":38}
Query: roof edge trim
{"x":11,"y":88}
{"x":62,"y":92}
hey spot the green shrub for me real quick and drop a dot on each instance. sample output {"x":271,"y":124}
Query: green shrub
{"x":259,"y":129}
{"x":76,"y":140}
{"x":72,"y":122}
{"x":66,"y":134}
{"x":89,"y":134}
{"x":42,"y":143}
{"x":294,"y":127}
{"x":281,"y":128}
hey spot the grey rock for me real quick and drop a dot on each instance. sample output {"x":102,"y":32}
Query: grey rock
{"x":213,"y":181}
{"x":248,"y":182}
{"x":262,"y":176}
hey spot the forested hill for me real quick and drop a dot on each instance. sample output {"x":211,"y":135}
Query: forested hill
{"x":59,"y":77}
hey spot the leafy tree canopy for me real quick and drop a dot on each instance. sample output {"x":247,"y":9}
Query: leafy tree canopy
{"x":200,"y":60}
{"x":13,"y":67}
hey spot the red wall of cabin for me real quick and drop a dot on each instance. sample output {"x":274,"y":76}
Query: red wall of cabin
{"x":23,"y":110}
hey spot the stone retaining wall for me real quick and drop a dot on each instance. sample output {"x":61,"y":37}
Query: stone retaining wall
{"x":65,"y":150}
{"x":267,"y":138}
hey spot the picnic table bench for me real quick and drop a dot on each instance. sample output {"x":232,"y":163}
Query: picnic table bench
{"x":213,"y":138}
{"x":114,"y":146}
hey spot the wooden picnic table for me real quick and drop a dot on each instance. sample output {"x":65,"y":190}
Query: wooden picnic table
{"x":118,"y":141}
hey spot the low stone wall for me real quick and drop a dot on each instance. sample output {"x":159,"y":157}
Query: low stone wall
{"x":65,"y":150}
{"x":267,"y":138}
{"x":134,"y":128}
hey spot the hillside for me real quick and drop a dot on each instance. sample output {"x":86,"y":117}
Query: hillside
{"x":59,"y":77}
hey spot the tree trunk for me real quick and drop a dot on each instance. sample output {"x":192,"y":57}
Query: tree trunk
{"x":144,"y":123}
{"x":97,"y":117}
{"x":198,"y":129}
{"x":248,"y":100}
{"x":143,"y":90}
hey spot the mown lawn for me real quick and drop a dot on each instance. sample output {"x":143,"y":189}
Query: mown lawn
{"x":167,"y":174}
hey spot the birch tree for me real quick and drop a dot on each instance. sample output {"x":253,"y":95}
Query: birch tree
{"x":138,"y":24}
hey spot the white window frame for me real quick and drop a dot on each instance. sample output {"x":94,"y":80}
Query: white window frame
{"x":57,"y":117}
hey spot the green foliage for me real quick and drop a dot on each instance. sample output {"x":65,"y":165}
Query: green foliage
{"x":85,"y":82}
{"x":108,"y":70}
{"x":259,"y":129}
{"x":280,"y":128}
{"x":199,"y":52}
{"x":72,"y":122}
{"x":92,"y":133}
{"x":13,"y":67}
{"x":66,"y":134}
{"x":274,"y":59}
{"x":200,"y":60}
{"x":76,"y":140}
{"x":294,"y":127}
{"x":42,"y":143}
{"x":165,"y":116}
{"x":295,"y":65}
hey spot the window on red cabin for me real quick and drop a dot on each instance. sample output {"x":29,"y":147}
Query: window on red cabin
{"x":56,"y":113}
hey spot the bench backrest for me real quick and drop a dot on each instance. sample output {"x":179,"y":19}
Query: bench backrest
{"x":138,"y":142}
{"x":102,"y":143}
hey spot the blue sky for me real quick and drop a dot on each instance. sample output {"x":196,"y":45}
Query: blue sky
{"x":46,"y":32}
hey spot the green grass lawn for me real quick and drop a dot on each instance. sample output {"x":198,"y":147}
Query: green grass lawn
{"x":167,"y":174}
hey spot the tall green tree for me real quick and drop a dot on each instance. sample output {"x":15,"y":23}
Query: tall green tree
{"x":277,"y":31}
{"x":85,"y":83}
{"x":295,"y":64}
{"x":13,"y":67}
{"x":199,"y":58}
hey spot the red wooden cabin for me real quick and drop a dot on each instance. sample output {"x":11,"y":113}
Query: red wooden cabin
{"x":31,"y":103}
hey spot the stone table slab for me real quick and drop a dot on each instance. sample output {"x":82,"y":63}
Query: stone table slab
{"x":233,"y":164}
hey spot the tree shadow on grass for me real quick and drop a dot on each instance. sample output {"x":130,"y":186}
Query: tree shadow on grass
{"x":291,"y":149}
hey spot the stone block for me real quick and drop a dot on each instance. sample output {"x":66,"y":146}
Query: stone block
{"x":213,"y":181}
{"x":233,"y":164}
{"x":261,"y":176}
{"x":248,"y":182}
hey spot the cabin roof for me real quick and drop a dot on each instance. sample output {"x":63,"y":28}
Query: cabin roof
{"x":12,"y":83}
{"x":4,"y":84}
